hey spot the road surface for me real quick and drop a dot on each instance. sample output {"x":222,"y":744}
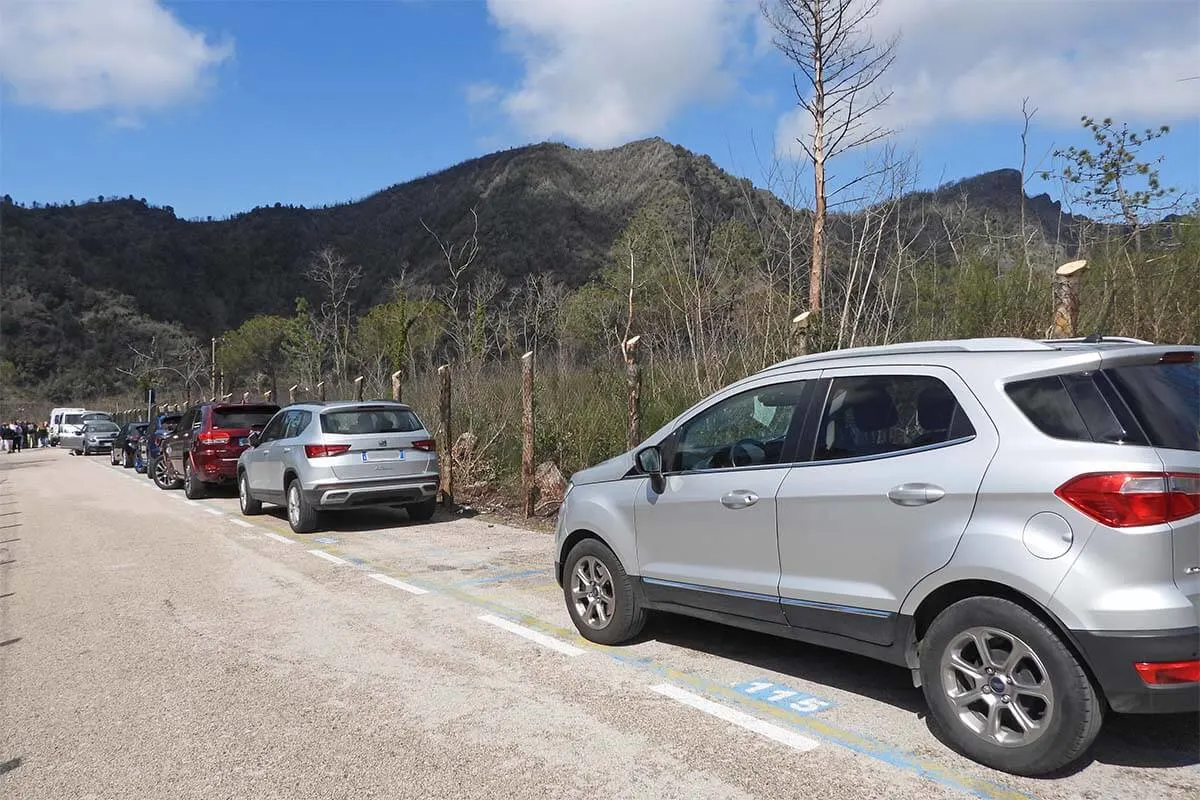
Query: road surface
{"x":155,"y":647}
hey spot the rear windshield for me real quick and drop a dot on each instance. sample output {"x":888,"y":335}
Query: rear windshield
{"x":73,"y":419}
{"x":1165,"y":398}
{"x":1146,"y":404}
{"x":379,"y":420}
{"x":242,"y":416}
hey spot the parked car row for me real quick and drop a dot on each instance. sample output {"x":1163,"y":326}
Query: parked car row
{"x":310,"y":457}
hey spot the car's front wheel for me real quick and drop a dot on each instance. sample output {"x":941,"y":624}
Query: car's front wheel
{"x":1005,"y":689}
{"x":600,"y":596}
{"x":246,"y":501}
{"x":302,"y":517}
{"x":161,"y":476}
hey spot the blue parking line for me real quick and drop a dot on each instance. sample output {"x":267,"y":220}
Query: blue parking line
{"x":507,"y":576}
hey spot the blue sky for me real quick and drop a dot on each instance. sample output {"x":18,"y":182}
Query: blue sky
{"x":216,"y":106}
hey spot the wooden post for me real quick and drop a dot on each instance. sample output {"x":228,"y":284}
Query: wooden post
{"x":321,"y":391}
{"x":267,"y":396}
{"x":213,"y":368}
{"x":396,"y":376}
{"x":527,"y":432}
{"x":292,"y":392}
{"x":358,"y":388}
{"x":227,"y":398}
{"x":800,"y":330}
{"x":245,"y":398}
{"x":633,"y":380}
{"x":446,"y":436}
{"x":1066,"y":299}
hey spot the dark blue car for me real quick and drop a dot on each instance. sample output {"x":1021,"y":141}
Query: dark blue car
{"x":150,"y":446}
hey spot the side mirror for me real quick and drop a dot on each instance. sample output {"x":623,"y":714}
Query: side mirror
{"x":649,"y":461}
{"x":252,"y":439}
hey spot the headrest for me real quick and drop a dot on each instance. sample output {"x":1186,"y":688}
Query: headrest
{"x":935,"y":408}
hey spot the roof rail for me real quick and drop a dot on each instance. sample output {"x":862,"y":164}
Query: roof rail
{"x":1096,"y":339}
{"x":980,"y":345}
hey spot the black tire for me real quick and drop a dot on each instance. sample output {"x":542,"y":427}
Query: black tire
{"x":625,"y":618}
{"x":193,"y":487}
{"x":423,"y":511}
{"x":250,"y":507}
{"x":1074,"y":713}
{"x":126,"y":459}
{"x":302,"y":517}
{"x":161,"y":476}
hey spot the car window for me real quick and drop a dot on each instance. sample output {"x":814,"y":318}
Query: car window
{"x":370,"y":420}
{"x":748,"y":429}
{"x":295,"y":423}
{"x":73,"y":419}
{"x":274,"y":428}
{"x":242,"y":416}
{"x":1165,"y":398}
{"x":876,"y":415}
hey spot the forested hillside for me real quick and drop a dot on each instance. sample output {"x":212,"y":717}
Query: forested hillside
{"x":87,"y":288}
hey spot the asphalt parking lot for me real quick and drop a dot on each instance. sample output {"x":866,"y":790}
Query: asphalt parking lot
{"x":152,"y":646}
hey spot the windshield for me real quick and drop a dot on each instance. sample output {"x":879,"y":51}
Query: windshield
{"x":100,"y":426}
{"x":370,"y":420}
{"x":1165,"y":399}
{"x":242,"y":416}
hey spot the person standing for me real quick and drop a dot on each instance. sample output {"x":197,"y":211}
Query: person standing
{"x":15,"y":433}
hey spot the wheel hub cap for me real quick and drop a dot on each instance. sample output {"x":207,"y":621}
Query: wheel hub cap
{"x":592,"y":597}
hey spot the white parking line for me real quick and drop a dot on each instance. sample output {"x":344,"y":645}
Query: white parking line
{"x":533,"y":636}
{"x":277,"y":537}
{"x":390,"y":581}
{"x":215,"y":512}
{"x":328,"y":557}
{"x":241,"y":523}
{"x":735,"y":717}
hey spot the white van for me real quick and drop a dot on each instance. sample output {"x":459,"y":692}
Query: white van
{"x":65,"y":421}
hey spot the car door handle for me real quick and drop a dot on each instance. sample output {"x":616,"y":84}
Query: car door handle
{"x":915,"y":494}
{"x":739,"y":498}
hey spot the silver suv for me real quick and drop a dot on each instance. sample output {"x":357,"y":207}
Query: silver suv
{"x":1017,"y":522}
{"x":315,"y":457}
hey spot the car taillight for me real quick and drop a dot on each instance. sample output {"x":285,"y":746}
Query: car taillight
{"x":213,"y":437}
{"x":325,"y":450}
{"x":1158,"y":674}
{"x":428,"y":445}
{"x":1130,"y":499}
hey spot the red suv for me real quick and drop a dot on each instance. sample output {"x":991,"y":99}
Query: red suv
{"x":205,"y":446}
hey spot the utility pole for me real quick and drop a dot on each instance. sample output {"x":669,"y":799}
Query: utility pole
{"x":213,"y":368}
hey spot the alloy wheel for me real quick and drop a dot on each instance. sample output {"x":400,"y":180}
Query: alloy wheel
{"x":293,"y":504}
{"x":998,"y":686}
{"x":592,"y":592}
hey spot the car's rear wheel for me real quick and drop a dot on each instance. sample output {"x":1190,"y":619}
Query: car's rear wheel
{"x":1005,"y":689}
{"x":246,"y":501}
{"x":193,"y":487}
{"x":127,"y":459}
{"x":423,"y":511}
{"x":302,"y":517}
{"x":600,"y":596}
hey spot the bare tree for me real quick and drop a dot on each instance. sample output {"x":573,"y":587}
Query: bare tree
{"x":829,"y":42}
{"x":337,"y":279}
{"x":458,"y":258}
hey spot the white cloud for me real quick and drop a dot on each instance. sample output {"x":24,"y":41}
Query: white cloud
{"x":972,"y":61}
{"x":80,"y":55}
{"x":599,"y":72}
